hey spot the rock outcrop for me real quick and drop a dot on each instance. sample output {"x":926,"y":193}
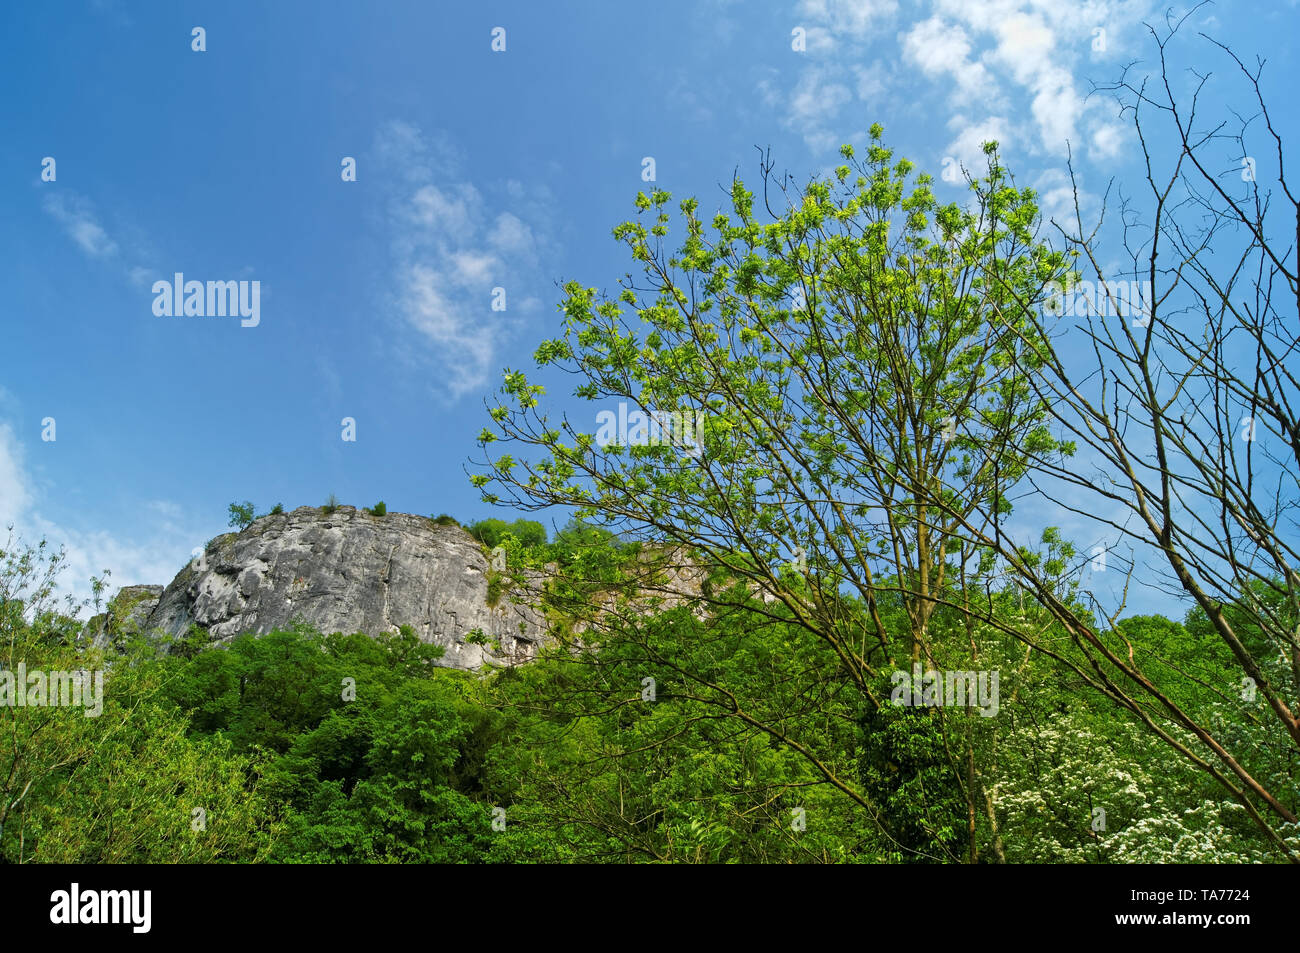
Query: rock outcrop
{"x":128,"y":611}
{"x":348,"y":571}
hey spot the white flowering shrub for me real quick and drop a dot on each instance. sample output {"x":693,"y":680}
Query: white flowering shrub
{"x":1056,"y":778}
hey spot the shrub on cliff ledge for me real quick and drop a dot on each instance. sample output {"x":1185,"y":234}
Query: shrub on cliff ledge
{"x":490,"y":531}
{"x":241,"y":515}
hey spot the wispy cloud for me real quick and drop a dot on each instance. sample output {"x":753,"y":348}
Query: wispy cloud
{"x":815,"y":101}
{"x":967,"y":145}
{"x":851,"y":19}
{"x":151,"y":553}
{"x":689,"y":101}
{"x":994,"y":58}
{"x":451,"y":246}
{"x":78,"y":219}
{"x":836,"y":70}
{"x":940,"y":49}
{"x":15,"y":497}
{"x":1018,"y":71}
{"x":1034,"y":50}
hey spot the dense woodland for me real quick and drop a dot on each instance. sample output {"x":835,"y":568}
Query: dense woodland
{"x":752,"y":746}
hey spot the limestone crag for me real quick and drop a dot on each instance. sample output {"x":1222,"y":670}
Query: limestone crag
{"x":127,"y":612}
{"x":349,"y":571}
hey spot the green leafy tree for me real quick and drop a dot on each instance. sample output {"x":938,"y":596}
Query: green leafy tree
{"x":491,"y":532}
{"x":1182,"y":401}
{"x":857,"y":360}
{"x":117,"y":779}
{"x":241,"y":515}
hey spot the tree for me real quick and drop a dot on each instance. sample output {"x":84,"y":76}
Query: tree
{"x":118,"y":785}
{"x":490,"y":532}
{"x":1185,"y":411}
{"x":241,"y":515}
{"x":858,"y":365}
{"x":596,"y":766}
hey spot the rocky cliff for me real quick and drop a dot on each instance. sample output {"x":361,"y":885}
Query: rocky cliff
{"x":345,"y":571}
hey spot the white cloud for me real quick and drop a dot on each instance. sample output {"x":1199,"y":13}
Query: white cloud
{"x":440,"y":318}
{"x":1010,"y":70}
{"x":14,"y":494}
{"x":815,"y":99}
{"x":1056,"y":198}
{"x":1027,"y":47}
{"x":936,"y":46}
{"x":450,"y":249}
{"x":510,"y":235}
{"x":140,"y":276}
{"x":967,"y":146}
{"x":939,"y":47}
{"x":855,"y":19}
{"x":153,"y":553}
{"x":1019,"y":58}
{"x":872,"y":82}
{"x":474,"y":269}
{"x":811,"y":106}
{"x":78,"y":220}
{"x":1107,"y":140}
{"x":818,"y":39}
{"x":688,"y":101}
{"x":1036,"y":45}
{"x":432,"y":207}
{"x":77,"y":216}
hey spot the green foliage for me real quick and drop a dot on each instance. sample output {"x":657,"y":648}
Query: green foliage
{"x":867,"y":364}
{"x":490,"y":532}
{"x":241,"y":515}
{"x":495,"y":586}
{"x":331,"y":504}
{"x":379,"y":509}
{"x":607,"y":770}
{"x":387,"y":792}
{"x":444,"y":520}
{"x":366,"y":738}
{"x":277,"y":509}
{"x":659,"y":736}
{"x":906,"y":768}
{"x":119,"y":778}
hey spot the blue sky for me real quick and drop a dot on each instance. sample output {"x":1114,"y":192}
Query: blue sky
{"x":475,"y":169}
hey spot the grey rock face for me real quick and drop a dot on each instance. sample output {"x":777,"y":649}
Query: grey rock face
{"x":135,"y":603}
{"x":128,"y":611}
{"x":348,"y":571}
